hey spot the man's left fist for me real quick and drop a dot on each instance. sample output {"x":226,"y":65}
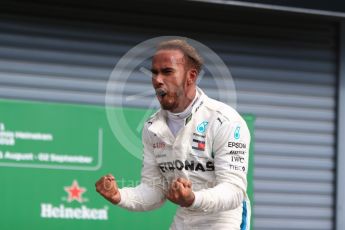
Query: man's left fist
{"x":180,"y":192}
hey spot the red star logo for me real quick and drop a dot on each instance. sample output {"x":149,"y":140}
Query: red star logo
{"x":75,"y":192}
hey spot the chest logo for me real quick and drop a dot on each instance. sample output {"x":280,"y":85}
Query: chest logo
{"x":198,"y":145}
{"x":158,"y":145}
{"x":201,"y":128}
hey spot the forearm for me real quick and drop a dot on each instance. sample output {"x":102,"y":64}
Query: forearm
{"x":224,"y":196}
{"x":149,"y":194}
{"x":141,"y":198}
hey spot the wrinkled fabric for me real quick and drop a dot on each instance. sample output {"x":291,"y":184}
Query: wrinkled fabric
{"x":211,"y":151}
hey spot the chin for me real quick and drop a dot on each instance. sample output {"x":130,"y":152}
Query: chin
{"x":169,"y":102}
{"x":166,"y":107}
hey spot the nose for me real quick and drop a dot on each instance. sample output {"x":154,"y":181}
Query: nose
{"x":157,"y":80}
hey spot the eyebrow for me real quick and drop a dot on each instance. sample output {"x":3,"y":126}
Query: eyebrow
{"x":162,"y":69}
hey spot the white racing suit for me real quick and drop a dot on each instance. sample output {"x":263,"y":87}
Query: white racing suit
{"x":211,"y":151}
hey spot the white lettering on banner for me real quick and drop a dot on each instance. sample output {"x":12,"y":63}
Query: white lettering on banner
{"x":19,"y":156}
{"x":46,"y":157}
{"x":9,"y":137}
{"x":43,"y":157}
{"x":70,"y":159}
{"x":62,"y":212}
{"x":9,"y":142}
{"x":6,"y":134}
{"x":34,"y":136}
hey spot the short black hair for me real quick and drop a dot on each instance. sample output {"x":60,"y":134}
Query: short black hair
{"x":193,"y":57}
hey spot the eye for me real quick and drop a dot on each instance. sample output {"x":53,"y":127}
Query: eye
{"x":167,"y":71}
{"x":154,"y":72}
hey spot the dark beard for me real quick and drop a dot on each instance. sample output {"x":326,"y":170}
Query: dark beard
{"x":169,"y":101}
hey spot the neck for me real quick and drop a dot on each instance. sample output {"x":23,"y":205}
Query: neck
{"x":176,"y":121}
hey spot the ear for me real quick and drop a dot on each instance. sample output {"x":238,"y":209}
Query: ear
{"x":192,"y":76}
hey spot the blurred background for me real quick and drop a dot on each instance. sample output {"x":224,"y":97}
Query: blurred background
{"x":287,"y":62}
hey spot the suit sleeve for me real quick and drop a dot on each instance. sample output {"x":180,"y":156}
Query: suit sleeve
{"x":149,"y":194}
{"x":231,"y":148}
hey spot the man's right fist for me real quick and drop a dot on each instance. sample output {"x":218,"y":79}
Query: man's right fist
{"x":107,"y":187}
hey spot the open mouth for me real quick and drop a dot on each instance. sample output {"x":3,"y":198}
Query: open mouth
{"x":160,"y":92}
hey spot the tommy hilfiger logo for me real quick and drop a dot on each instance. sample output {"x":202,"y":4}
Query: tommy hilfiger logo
{"x":198,"y":145}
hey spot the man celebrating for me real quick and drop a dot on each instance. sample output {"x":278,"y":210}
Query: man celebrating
{"x":195,"y":150}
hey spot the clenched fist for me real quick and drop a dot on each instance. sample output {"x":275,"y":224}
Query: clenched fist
{"x":180,"y":192}
{"x":107,"y":187}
